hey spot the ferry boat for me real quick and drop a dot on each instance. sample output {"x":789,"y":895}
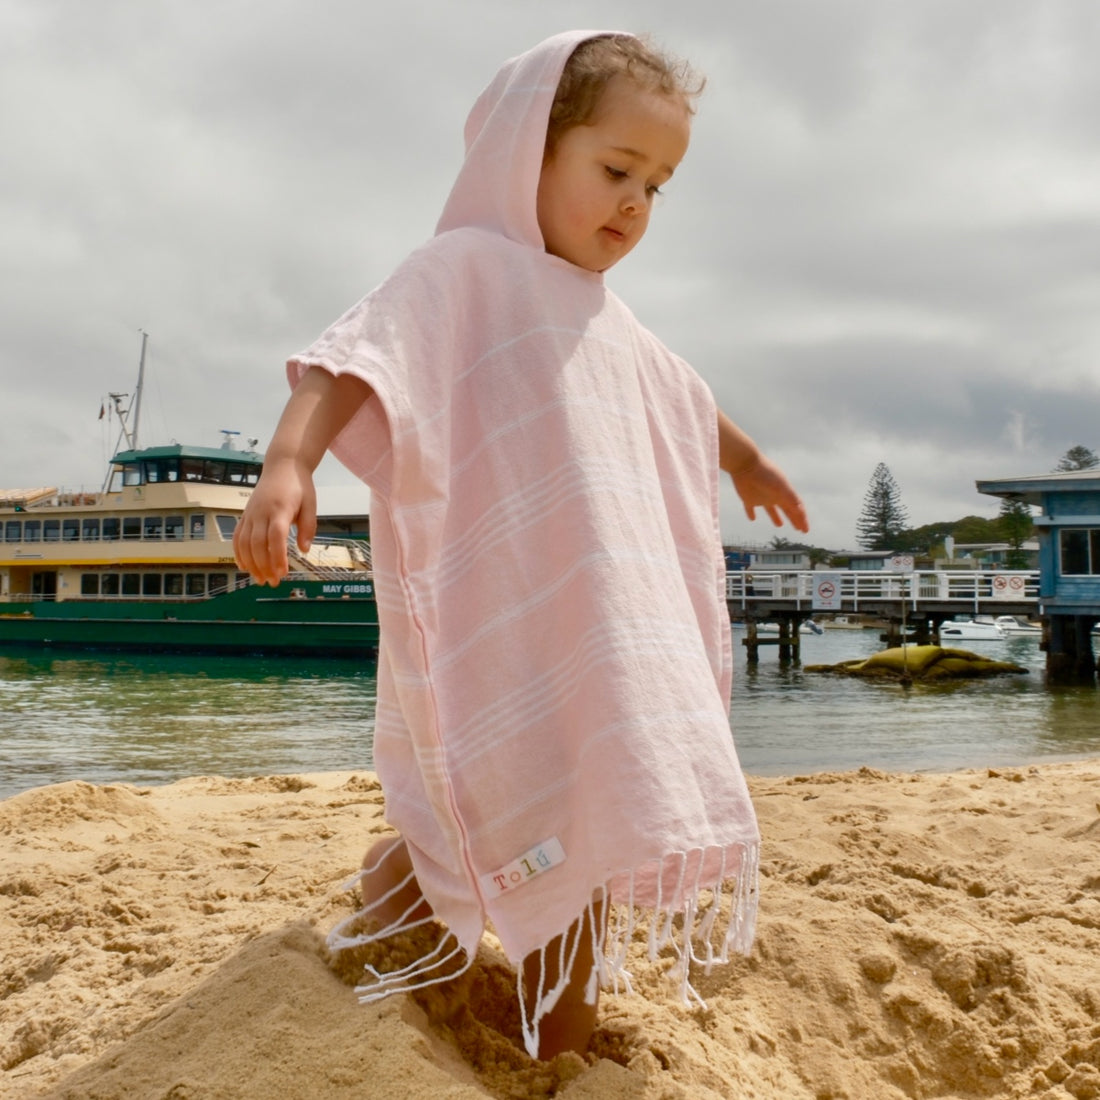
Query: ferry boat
{"x":147,"y":564}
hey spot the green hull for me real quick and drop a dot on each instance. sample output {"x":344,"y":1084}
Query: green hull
{"x":313,"y":618}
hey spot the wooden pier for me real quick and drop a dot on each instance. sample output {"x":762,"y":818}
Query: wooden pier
{"x":911,"y":606}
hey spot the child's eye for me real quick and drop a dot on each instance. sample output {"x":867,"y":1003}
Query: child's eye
{"x":615,"y":173}
{"x":653,"y":189}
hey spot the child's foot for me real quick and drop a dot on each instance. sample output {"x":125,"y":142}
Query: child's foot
{"x":389,"y":888}
{"x":569,"y":1025}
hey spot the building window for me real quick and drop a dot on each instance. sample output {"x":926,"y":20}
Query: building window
{"x":1080,"y":552}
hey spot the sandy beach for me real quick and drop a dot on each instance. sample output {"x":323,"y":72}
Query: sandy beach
{"x":933,"y":935}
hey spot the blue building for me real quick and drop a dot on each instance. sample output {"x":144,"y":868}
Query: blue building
{"x":1069,"y":562}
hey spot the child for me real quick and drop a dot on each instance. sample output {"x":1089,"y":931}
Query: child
{"x":552,"y":729}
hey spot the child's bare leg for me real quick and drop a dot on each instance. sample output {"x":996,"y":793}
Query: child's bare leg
{"x":389,"y":866}
{"x":570,"y":1023}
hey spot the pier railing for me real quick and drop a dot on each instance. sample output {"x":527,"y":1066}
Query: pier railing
{"x":867,"y":591}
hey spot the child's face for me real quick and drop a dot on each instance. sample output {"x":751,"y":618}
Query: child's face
{"x":597,"y":189}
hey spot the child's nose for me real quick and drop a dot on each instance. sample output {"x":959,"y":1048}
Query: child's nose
{"x":634,"y":201}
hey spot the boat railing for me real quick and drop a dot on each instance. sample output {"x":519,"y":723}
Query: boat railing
{"x":971,"y":590}
{"x":329,"y":559}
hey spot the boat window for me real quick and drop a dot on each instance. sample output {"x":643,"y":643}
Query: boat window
{"x":191,"y":469}
{"x":196,"y":584}
{"x":32,"y":530}
{"x":219,"y":582}
{"x":173,"y":584}
{"x":173,"y":527}
{"x":241,"y":580}
{"x":226,"y":526}
{"x":152,"y":472}
{"x":51,"y":530}
{"x":89,"y":584}
{"x":154,"y":526}
{"x":237,"y":473}
{"x":90,"y":530}
{"x":151,"y":584}
{"x":131,"y":527}
{"x":110,"y":528}
{"x":1075,"y":552}
{"x":13,"y":531}
{"x":198,"y":526}
{"x":70,"y":530}
{"x":131,"y":475}
{"x":131,"y":584}
{"x":108,"y":584}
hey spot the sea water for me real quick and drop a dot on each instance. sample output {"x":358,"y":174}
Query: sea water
{"x":147,"y":719}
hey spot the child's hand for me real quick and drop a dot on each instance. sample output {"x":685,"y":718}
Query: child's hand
{"x":764,"y":485}
{"x":284,"y":496}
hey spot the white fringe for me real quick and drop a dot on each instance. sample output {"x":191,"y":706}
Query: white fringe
{"x":418,"y":974}
{"x":686,"y":922}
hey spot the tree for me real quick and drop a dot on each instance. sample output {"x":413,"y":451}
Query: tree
{"x":884,"y":518}
{"x":1078,"y":457}
{"x":1016,"y":527}
{"x":977,"y":529}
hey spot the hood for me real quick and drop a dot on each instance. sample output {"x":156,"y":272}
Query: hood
{"x":505,"y":133}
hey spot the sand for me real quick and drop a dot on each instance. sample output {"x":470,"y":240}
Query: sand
{"x":932,"y":935}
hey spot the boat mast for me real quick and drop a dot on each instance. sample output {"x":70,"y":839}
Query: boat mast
{"x":136,"y":403}
{"x":134,"y":407}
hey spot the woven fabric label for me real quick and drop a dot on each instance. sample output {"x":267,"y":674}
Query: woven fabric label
{"x":533,"y":862}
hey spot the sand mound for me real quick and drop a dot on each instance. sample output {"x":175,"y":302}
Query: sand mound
{"x":920,"y":936}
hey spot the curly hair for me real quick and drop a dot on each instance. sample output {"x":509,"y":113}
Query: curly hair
{"x":596,"y":61}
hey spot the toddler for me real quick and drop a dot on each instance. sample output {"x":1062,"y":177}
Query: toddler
{"x":552,"y":731}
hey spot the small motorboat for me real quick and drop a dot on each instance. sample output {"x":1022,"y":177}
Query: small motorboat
{"x":808,"y":627}
{"x":971,"y":630}
{"x":1012,"y":626}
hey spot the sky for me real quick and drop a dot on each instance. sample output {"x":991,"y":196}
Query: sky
{"x":882,"y":246}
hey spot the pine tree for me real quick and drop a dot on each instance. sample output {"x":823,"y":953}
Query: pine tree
{"x":1016,"y":526}
{"x":1078,"y":457}
{"x":883,"y":519}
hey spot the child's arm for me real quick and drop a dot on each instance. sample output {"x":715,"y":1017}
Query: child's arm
{"x":319,"y":407}
{"x":758,"y":481}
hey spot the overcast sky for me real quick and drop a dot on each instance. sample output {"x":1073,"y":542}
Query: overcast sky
{"x":883,"y":245}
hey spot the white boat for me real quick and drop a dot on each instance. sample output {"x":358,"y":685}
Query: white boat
{"x":1012,"y":626}
{"x":808,"y":627}
{"x":971,"y":630}
{"x":841,"y":622}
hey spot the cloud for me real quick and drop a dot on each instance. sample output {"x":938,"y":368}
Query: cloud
{"x":881,"y":246}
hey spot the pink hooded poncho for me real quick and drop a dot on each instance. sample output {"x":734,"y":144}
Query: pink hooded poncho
{"x":554,"y":668}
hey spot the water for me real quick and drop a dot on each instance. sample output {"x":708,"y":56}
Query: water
{"x":153,"y":719}
{"x":789,"y":721}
